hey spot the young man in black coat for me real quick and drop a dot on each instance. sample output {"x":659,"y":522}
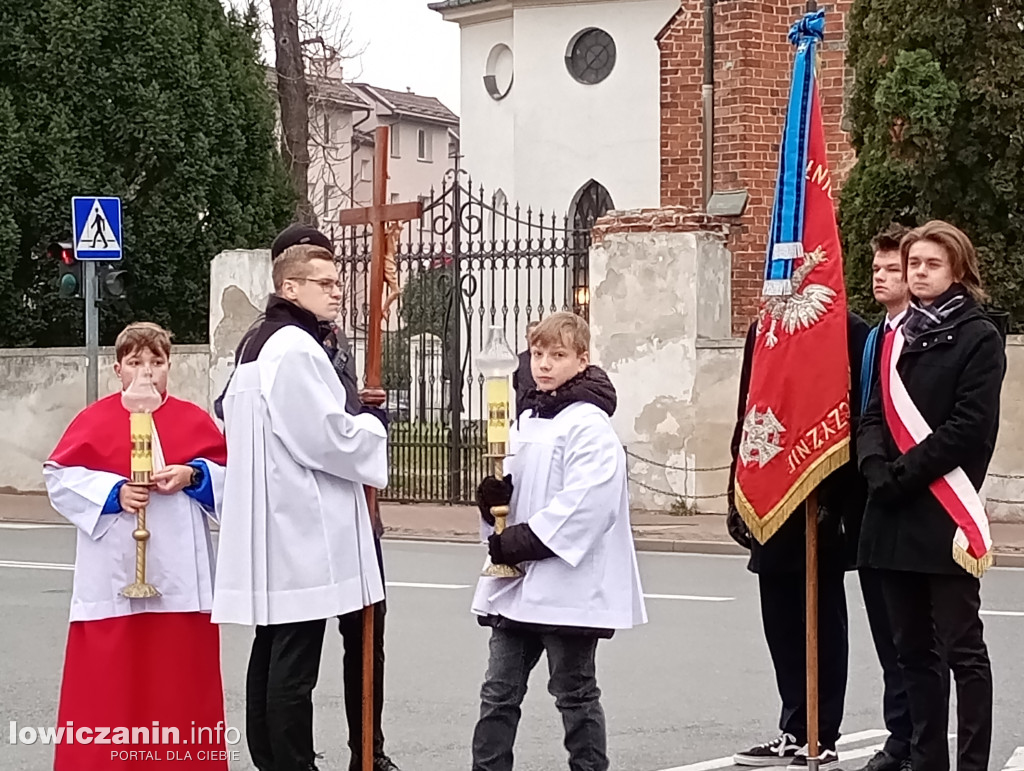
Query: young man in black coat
{"x":779,"y":565}
{"x":952,"y":367}
{"x":889,"y":287}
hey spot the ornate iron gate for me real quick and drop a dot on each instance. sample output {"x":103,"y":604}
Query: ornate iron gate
{"x":472,"y":261}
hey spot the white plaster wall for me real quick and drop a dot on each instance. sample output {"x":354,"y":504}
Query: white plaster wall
{"x":551,"y":135}
{"x":487,"y":128}
{"x":567,"y":133}
{"x":44,"y":388}
{"x":410,"y":177}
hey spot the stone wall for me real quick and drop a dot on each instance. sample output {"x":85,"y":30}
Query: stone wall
{"x":44,"y":388}
{"x":659,"y":316}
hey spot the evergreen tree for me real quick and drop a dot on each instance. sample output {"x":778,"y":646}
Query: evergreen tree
{"x":936,"y":107}
{"x":161,"y":102}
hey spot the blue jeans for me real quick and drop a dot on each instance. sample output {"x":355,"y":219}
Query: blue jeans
{"x":572,"y":681}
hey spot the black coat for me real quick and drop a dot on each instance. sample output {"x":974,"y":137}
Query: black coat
{"x":522,"y":380}
{"x":954,"y":375}
{"x":841,"y":496}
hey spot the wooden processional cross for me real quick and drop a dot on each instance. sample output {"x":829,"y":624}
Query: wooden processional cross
{"x":378,"y":217}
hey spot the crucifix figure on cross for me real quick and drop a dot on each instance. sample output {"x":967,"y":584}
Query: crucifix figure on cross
{"x":386,"y":222}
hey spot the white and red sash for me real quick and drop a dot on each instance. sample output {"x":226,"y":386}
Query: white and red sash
{"x":972,"y":545}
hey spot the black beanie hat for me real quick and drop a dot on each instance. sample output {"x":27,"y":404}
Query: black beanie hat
{"x":299,"y":234}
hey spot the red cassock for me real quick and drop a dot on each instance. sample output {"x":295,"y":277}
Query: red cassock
{"x":158,"y":671}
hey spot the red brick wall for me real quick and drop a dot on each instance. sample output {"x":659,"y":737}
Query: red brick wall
{"x":753,"y":61}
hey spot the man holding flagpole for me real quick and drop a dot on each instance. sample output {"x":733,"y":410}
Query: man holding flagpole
{"x":796,"y":422}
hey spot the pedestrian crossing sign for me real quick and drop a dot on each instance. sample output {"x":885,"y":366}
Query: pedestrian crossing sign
{"x":97,"y":225}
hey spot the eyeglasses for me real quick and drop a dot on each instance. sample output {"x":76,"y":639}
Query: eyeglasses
{"x":326,"y":284}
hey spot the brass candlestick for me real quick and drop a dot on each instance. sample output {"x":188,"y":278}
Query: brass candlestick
{"x":496,"y":454}
{"x":140,"y":399}
{"x":497,"y":362}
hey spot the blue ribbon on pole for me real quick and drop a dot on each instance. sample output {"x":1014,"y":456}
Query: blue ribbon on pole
{"x":785,"y":242}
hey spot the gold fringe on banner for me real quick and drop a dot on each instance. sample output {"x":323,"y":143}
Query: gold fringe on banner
{"x":763,"y":528}
{"x":973,"y":565}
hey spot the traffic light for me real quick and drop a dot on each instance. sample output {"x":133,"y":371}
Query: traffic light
{"x":114,"y":281}
{"x":69,"y":281}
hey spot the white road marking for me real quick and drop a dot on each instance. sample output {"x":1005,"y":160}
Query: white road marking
{"x":35,"y":565}
{"x":407,"y":585}
{"x":860,"y":736}
{"x":1016,"y":761}
{"x":1012,"y":613}
{"x":691,"y":597}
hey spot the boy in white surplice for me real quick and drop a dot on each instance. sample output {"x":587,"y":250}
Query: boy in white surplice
{"x":569,"y":532}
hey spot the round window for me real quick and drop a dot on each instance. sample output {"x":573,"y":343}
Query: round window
{"x":498,"y":74}
{"x":590,"y":57}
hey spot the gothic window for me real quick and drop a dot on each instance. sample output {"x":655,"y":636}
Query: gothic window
{"x":590,"y":57}
{"x":590,"y":202}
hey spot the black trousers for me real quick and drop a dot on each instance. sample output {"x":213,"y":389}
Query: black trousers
{"x":936,"y":616}
{"x":895,"y":704}
{"x":784,"y":616}
{"x":351,"y":627}
{"x":283,"y":669}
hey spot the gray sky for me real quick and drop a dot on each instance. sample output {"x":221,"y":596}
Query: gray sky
{"x":407,"y":45}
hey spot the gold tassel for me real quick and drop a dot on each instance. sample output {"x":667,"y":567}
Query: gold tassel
{"x":973,"y":565}
{"x":764,"y":528}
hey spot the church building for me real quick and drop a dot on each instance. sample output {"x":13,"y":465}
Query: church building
{"x":560,"y":101}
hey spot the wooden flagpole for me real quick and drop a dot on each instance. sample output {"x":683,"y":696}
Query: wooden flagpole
{"x":811,"y":571}
{"x":377,"y":216}
{"x":811,"y":647}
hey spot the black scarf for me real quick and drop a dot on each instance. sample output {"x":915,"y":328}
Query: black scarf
{"x":280,"y":313}
{"x":922,"y":319}
{"x":592,"y":386}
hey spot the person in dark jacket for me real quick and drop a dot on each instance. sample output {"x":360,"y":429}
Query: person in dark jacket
{"x":522,"y":378}
{"x":889,"y":287}
{"x":779,"y":565}
{"x":952,"y":368}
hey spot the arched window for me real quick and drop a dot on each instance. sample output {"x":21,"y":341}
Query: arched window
{"x":590,"y":202}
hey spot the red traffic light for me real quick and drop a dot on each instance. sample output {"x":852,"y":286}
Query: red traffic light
{"x":61,"y":251}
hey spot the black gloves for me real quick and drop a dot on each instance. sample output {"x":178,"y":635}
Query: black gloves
{"x":883,"y":485}
{"x":738,"y":530}
{"x":493,"y":492}
{"x":517,"y":544}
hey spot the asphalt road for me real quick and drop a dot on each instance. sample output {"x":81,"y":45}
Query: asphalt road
{"x":692,"y":686}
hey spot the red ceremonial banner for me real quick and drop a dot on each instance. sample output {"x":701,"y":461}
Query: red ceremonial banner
{"x":797,"y":425}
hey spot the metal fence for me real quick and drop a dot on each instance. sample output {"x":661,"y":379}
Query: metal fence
{"x":470,"y":262}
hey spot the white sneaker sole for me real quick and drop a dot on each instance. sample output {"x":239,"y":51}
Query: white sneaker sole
{"x":753,"y":762}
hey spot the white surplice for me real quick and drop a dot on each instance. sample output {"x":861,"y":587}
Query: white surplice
{"x":296,"y":542}
{"x":179,"y":555}
{"x":569,"y":485}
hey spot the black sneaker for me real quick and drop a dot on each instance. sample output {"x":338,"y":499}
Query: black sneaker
{"x":380,"y":763}
{"x":883,"y":761}
{"x":828,"y":759}
{"x":905,"y":765}
{"x":777,"y":752}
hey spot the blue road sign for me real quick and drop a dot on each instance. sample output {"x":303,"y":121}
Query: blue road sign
{"x":97,"y":225}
